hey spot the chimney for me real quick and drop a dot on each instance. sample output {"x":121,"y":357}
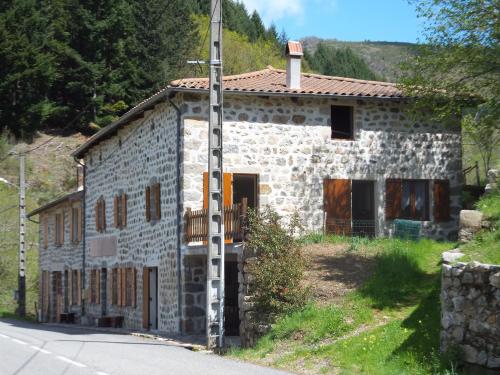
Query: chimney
{"x":294,"y":54}
{"x":79,"y":177}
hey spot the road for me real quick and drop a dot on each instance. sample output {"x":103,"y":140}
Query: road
{"x":27,"y":348}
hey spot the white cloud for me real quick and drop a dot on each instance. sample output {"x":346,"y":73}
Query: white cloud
{"x":272,"y":10}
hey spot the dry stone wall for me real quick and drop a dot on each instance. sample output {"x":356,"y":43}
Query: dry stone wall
{"x":287,"y":142}
{"x":470,"y":301}
{"x":139,"y":154}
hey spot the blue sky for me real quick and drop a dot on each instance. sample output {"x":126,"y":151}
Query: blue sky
{"x":354,"y":20}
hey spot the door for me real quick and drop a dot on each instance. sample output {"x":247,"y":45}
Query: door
{"x":363,"y":208}
{"x":104,"y":290}
{"x":153,"y":298}
{"x":231,"y":311}
{"x":58,"y":295}
{"x":337,"y":206}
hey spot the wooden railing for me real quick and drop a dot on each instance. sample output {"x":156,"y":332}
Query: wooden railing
{"x":196,"y":227}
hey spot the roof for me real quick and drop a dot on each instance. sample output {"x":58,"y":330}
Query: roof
{"x":75,"y":196}
{"x":294,"y":48}
{"x":269,"y":81}
{"x":273,"y":81}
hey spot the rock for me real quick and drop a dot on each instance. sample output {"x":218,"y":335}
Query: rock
{"x":470,"y":354}
{"x":452,"y":256}
{"x":471,"y":219}
{"x":493,"y":175}
{"x":495,"y":280}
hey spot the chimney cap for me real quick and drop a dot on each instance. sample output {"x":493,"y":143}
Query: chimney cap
{"x":294,"y":48}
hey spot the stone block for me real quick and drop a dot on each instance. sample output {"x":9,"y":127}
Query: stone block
{"x":451,"y":256}
{"x":470,"y":219}
{"x":495,"y":280}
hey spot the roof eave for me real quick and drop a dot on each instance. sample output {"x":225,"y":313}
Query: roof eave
{"x":76,"y":195}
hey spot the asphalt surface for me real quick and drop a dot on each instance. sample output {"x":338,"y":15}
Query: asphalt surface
{"x":27,"y":348}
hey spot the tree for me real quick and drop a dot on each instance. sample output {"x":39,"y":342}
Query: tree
{"x":456,"y":73}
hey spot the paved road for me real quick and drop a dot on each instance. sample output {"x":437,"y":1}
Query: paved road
{"x":27,"y":348}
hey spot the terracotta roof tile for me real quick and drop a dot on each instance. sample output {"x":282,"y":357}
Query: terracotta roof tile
{"x":272,"y":80}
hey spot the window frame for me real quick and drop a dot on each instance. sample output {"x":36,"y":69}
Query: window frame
{"x":153,"y":202}
{"x":413,"y":197}
{"x":351,"y":123}
{"x":101,"y":215}
{"x":59,"y":229}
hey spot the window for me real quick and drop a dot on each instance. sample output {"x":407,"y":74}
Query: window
{"x":342,"y":122}
{"x":407,"y":199}
{"x":120,"y":210}
{"x":153,"y":202}
{"x":76,"y":225}
{"x":100,"y":215}
{"x":59,"y":237}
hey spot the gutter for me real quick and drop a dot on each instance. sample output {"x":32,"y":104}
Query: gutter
{"x":84,"y":228}
{"x":179,"y":212}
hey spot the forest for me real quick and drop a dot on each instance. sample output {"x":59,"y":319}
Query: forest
{"x":71,"y":65}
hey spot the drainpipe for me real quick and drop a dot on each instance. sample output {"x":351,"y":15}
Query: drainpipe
{"x":179,"y":213}
{"x":84,"y":234}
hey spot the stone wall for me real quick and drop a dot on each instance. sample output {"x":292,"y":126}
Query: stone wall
{"x":287,"y":142}
{"x":143,"y":152}
{"x":194,"y":294}
{"x":58,"y":258}
{"x":470,"y":301}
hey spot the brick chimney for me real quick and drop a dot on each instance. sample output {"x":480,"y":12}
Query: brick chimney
{"x":294,"y":55}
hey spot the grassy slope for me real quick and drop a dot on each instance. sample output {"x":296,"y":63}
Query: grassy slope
{"x":389,"y":326}
{"x":50,"y":173}
{"x":382,"y":57}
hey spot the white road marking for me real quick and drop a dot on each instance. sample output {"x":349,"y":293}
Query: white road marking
{"x":4,"y":336}
{"x":20,"y":342}
{"x":101,"y":373}
{"x":64,"y":359}
{"x":41,"y":350}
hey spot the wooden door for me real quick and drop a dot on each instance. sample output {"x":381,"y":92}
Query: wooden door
{"x":145,"y":298}
{"x":337,"y":206}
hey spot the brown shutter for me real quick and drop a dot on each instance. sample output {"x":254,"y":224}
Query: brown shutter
{"x":337,"y":206}
{"x":103,"y":208}
{"x":115,"y":211}
{"x":79,"y":286}
{"x":393,"y":196}
{"x":80,"y":224}
{"x":123,"y":288}
{"x":134,"y":287}
{"x":145,"y":298}
{"x":157,"y":193}
{"x":70,"y":287}
{"x":72,"y":239}
{"x":62,"y":227}
{"x":124,"y":210}
{"x":118,"y":286}
{"x":148,"y":204}
{"x":441,"y":200}
{"x":96,"y":208}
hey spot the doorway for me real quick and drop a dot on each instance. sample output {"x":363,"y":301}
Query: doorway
{"x":363,"y":208}
{"x":150,"y":298}
{"x":231,"y":310}
{"x":245,"y":186}
{"x":58,"y":295}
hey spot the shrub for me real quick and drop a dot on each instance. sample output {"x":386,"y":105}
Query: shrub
{"x":278,"y":270}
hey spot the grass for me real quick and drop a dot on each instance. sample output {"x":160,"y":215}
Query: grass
{"x":389,"y":326}
{"x":485,"y":247}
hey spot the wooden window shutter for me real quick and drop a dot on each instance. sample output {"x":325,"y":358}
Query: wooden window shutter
{"x":157,"y":193}
{"x":103,"y":208}
{"x":79,"y":286}
{"x":148,"y":204}
{"x":134,"y":287}
{"x":80,"y":224}
{"x":71,"y":236}
{"x":227,"y":186}
{"x":98,"y":286}
{"x":115,"y":211}
{"x":70,"y":287}
{"x":145,"y":298}
{"x":97,"y":223}
{"x":441,"y":200}
{"x":124,"y":210}
{"x":337,"y":205}
{"x":91,"y":287}
{"x":393,"y":196}
{"x":118,"y":286}
{"x":205,"y":189}
{"x":124,"y":286}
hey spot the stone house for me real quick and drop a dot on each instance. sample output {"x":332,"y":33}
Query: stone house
{"x":61,"y":257}
{"x":339,"y":151}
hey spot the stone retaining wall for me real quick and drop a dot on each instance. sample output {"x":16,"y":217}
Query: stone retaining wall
{"x":470,"y":299}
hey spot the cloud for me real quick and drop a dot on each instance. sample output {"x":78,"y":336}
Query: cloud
{"x":273,"y":10}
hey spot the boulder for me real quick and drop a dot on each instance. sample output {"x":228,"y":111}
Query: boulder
{"x":471,"y":219}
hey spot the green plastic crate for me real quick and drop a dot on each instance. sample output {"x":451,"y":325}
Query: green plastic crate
{"x":407,"y":229}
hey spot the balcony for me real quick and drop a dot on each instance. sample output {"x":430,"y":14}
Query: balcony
{"x":196,"y":227}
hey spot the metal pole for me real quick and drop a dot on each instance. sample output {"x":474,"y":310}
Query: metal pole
{"x":215,"y":240}
{"x":21,"y":311}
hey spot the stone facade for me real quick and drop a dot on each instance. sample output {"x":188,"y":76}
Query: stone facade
{"x":470,"y":300}
{"x":58,"y":258}
{"x":140,"y":154}
{"x":287,"y":143}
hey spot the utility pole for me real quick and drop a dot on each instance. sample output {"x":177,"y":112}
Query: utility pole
{"x":215,"y":240}
{"x":21,"y":296}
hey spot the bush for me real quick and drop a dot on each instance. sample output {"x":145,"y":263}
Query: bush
{"x":278,"y":270}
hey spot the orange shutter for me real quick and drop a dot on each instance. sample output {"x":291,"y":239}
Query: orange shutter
{"x":145,"y":298}
{"x":148,"y":204}
{"x":227,"y":186}
{"x":205,"y":189}
{"x":124,"y":210}
{"x":337,"y":206}
{"x":115,"y":211}
{"x":393,"y":196}
{"x":157,"y":192}
{"x":441,"y":200}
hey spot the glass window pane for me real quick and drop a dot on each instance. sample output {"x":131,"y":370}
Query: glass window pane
{"x":405,"y":204}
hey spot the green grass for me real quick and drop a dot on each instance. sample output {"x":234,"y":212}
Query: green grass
{"x":389,"y":326}
{"x":485,"y":247}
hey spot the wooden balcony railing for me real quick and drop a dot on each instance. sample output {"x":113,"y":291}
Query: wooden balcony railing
{"x":196,"y":227}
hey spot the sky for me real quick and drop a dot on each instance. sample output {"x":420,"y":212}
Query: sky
{"x":352,"y":20}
